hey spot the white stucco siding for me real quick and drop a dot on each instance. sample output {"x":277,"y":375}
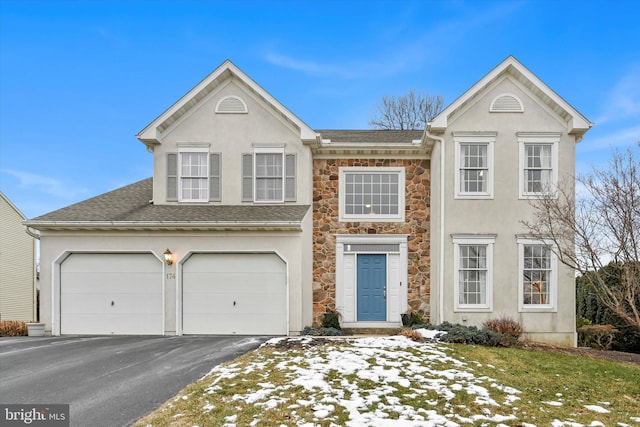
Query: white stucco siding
{"x":502,"y":215}
{"x":17,"y":266}
{"x":232,"y":135}
{"x":290,"y":246}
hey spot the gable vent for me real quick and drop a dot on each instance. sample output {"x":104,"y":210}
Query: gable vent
{"x":231,"y":105}
{"x":506,"y":103}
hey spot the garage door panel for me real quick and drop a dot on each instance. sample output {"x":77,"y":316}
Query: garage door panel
{"x":251,"y":283}
{"x":234,"y":294}
{"x":111,"y":294}
{"x":248,"y":304}
{"x":113,"y":282}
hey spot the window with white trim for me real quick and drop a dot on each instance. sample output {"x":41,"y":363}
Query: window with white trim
{"x":269,"y":173}
{"x":473,"y":264}
{"x":372,"y":194}
{"x":538,"y":275}
{"x":268,"y":176}
{"x":193,"y":174}
{"x":474,"y":166}
{"x":538,"y":164}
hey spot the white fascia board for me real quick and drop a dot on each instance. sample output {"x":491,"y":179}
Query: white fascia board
{"x":150,"y":134}
{"x":579,"y":124}
{"x":162,"y":225}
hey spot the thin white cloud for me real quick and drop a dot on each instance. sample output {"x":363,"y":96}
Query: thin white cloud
{"x":623,"y":137}
{"x":47,"y":185}
{"x":406,"y":54}
{"x":624,"y":99}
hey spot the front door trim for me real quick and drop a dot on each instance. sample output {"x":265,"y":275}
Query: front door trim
{"x":394,"y":246}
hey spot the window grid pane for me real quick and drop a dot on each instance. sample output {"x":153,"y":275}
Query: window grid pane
{"x":194,"y":179}
{"x":473,"y":274}
{"x":371,"y":194}
{"x":536,"y":274}
{"x":269,"y":177}
{"x":538,"y":169}
{"x":474,"y":168}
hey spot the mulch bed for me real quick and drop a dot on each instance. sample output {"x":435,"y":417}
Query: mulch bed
{"x":613,"y":356}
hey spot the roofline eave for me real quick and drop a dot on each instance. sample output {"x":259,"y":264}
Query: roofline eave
{"x":164,"y":225}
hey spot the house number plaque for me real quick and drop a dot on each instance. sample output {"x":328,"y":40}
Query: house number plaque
{"x":171,"y":276}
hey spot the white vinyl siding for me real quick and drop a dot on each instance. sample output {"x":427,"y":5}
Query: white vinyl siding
{"x":473,"y":264}
{"x":17,"y":265}
{"x":538,"y":164}
{"x":474,"y":166}
{"x":372,"y":194}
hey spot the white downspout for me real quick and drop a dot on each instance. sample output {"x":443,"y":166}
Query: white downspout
{"x":442,"y":233}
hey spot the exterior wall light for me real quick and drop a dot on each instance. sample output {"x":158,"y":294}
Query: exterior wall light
{"x":168,"y":257}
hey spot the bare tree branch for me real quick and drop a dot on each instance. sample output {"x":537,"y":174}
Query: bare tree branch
{"x":407,"y":112}
{"x":599,"y":228}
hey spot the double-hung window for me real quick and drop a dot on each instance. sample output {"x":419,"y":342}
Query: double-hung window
{"x":473,"y":264}
{"x":193,"y":174}
{"x":474,"y":165}
{"x":538,"y":275}
{"x":538,"y":164}
{"x":372,"y":194}
{"x":268,"y":175}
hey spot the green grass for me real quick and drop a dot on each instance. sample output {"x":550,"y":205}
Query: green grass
{"x":261,"y":388}
{"x":574,"y":381}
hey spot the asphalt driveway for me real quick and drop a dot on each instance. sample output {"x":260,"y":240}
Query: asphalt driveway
{"x":109,"y":381}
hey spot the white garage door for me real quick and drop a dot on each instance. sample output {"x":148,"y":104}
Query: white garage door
{"x":111,"y":294}
{"x":242,"y":294}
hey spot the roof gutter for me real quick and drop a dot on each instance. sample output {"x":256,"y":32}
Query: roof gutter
{"x":227,"y":225}
{"x":33,"y":234}
{"x":442,"y":231}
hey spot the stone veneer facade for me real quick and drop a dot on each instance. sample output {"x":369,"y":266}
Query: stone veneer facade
{"x":326,"y":225}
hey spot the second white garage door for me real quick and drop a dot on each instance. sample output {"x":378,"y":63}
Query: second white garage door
{"x":243,"y":294}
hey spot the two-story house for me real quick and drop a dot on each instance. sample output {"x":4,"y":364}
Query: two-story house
{"x":254,"y":223}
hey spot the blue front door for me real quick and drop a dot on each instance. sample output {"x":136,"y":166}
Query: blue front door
{"x":372,"y":280}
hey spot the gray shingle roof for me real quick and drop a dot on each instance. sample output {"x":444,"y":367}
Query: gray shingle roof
{"x":131,"y":204}
{"x":372,"y":136}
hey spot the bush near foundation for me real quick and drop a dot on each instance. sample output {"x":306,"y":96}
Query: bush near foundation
{"x":461,"y":334}
{"x":13,"y":328}
{"x":505,"y":326}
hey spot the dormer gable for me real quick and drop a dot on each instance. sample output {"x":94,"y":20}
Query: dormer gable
{"x":152,"y":134}
{"x":511,"y":68}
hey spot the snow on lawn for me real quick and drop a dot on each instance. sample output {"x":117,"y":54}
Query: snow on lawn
{"x":378,"y":381}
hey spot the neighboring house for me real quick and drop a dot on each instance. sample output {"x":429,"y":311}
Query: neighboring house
{"x":269,"y":224}
{"x":17,"y":265}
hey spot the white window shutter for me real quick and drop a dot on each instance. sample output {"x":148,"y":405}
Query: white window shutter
{"x":214,"y":177}
{"x":172,"y":177}
{"x":290,"y":178}
{"x":247,"y":177}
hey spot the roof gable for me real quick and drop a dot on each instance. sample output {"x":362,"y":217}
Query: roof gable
{"x":152,"y":133}
{"x":12,"y":206}
{"x":576,"y":123}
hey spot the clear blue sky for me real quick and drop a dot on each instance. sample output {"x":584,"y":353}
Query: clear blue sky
{"x":78,"y":79}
